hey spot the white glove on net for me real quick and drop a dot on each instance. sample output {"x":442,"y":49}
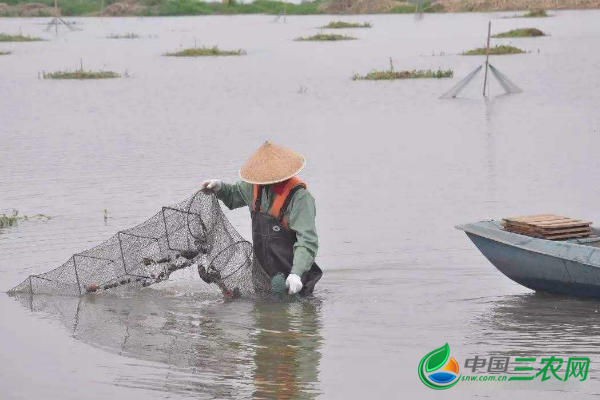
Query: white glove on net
{"x":293,"y":283}
{"x":212,"y":184}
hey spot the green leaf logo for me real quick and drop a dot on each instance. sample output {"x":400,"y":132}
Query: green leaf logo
{"x":434,"y":361}
{"x":437,"y":358}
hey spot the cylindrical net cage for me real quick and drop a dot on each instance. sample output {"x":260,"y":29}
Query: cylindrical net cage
{"x":193,"y":232}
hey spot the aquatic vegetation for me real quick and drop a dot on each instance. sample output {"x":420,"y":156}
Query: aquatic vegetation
{"x":324,"y":37}
{"x":7,"y":221}
{"x":522,"y":32}
{"x":536,"y":14}
{"x":123,"y":36}
{"x":192,"y":7}
{"x":414,"y":74}
{"x":80,"y":74}
{"x":206,"y":52}
{"x":344,"y":25}
{"x":36,"y":217}
{"x":5,"y":37}
{"x":5,"y":53}
{"x":497,"y":50}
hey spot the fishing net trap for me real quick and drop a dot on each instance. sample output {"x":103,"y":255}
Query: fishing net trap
{"x":194,"y":232}
{"x":506,"y":84}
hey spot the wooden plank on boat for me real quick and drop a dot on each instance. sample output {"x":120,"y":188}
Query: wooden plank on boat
{"x":557,"y":237}
{"x":552,"y":224}
{"x":548,"y":226}
{"x":552,"y":232}
{"x":555,"y":231}
{"x":568,"y":236}
{"x":532,"y":218}
{"x":572,"y":230}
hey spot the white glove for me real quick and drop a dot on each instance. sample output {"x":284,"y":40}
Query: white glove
{"x":293,"y":283}
{"x":212,"y":184}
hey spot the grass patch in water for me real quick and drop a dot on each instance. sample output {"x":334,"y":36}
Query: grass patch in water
{"x":414,"y":74}
{"x":344,"y":25}
{"x":6,"y":221}
{"x":324,"y":37}
{"x":495,"y":51}
{"x":4,"y":53}
{"x":519,"y":33}
{"x":206,"y":52}
{"x":5,"y":37}
{"x":536,"y":14}
{"x":9,"y":220}
{"x":80,"y":74}
{"x":123,"y":36}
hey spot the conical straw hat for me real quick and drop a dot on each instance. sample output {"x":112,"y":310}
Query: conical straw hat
{"x":271,"y":164}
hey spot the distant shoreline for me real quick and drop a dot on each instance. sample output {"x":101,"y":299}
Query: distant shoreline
{"x":172,"y":8}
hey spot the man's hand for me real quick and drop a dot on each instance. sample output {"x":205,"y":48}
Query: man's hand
{"x":293,"y":283}
{"x":213,"y":185}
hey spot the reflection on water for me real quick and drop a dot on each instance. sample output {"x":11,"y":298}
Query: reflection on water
{"x":287,"y":357}
{"x":539,"y":324}
{"x":210,"y":348}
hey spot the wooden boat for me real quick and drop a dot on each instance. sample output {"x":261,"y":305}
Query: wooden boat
{"x":570,"y":267}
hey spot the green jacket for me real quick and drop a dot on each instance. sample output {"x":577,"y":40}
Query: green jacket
{"x":300,"y":216}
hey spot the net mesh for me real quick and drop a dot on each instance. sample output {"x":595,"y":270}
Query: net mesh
{"x":508,"y":86}
{"x":193,"y":233}
{"x":503,"y":80}
{"x":456,"y":89}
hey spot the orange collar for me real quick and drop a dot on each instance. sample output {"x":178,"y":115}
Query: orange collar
{"x":279,"y":188}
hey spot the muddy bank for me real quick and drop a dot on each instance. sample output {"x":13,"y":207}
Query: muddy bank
{"x":392,"y":6}
{"x":26,"y":10}
{"x":125,"y":8}
{"x":510,"y":5}
{"x":362,"y":6}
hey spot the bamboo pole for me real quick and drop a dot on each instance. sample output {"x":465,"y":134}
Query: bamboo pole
{"x":487,"y":57}
{"x":56,"y":16}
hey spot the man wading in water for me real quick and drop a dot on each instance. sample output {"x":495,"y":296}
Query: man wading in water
{"x":283,"y":213}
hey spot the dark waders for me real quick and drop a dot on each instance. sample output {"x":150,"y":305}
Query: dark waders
{"x":274,"y":244}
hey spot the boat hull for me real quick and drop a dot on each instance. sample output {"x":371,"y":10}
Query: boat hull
{"x":543,"y":271}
